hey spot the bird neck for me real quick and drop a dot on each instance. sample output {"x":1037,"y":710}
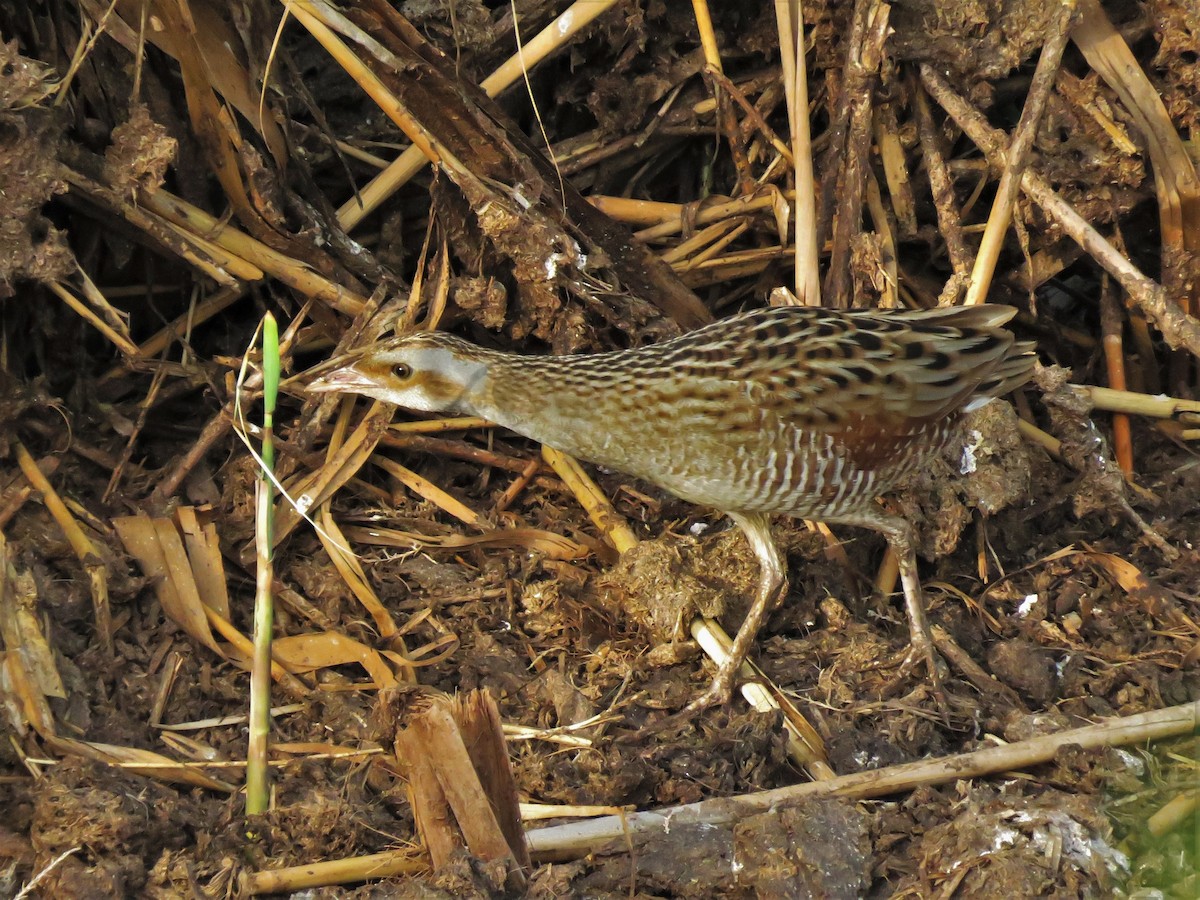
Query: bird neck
{"x":551,"y":399}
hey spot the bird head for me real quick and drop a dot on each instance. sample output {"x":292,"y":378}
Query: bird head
{"x":428,"y":371}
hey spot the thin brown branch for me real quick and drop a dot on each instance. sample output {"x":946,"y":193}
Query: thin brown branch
{"x":1018,"y":153}
{"x":865,"y":54}
{"x":1177,"y":327}
{"x":571,"y":841}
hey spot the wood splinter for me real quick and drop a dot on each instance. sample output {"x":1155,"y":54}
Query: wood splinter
{"x":460,"y":783}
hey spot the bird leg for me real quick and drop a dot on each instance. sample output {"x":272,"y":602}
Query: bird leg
{"x":899,"y":536}
{"x":771,"y":584}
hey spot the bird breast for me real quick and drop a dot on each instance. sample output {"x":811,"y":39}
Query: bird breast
{"x":711,"y":441}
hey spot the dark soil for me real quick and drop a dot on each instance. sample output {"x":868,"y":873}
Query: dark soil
{"x":1072,"y":587}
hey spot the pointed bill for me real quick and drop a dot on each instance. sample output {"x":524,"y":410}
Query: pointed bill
{"x":345,"y":379}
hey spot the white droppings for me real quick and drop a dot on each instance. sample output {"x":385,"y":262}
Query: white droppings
{"x":1004,"y":838}
{"x":572,"y":257}
{"x":1026,"y":605}
{"x":968,"y":464}
{"x":1132,"y":761}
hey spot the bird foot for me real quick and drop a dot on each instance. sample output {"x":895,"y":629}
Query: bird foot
{"x":718,"y":694}
{"x":922,"y":654}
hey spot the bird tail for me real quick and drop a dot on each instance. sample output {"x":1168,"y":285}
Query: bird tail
{"x":1016,"y":366}
{"x":1013,"y":371}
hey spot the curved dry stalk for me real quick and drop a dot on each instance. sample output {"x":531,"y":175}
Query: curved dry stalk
{"x":591,"y":498}
{"x":85,"y":551}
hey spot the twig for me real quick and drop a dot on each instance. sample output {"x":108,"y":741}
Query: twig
{"x":401,"y":170}
{"x":591,"y":498}
{"x":1017,"y":155}
{"x":453,"y":449}
{"x":1114,"y":359}
{"x":672,"y":223}
{"x":889,"y":290}
{"x":181,"y":326}
{"x":941,"y":185}
{"x":755,"y":117}
{"x":895,"y":167}
{"x":120,"y":340}
{"x":578,"y":839}
{"x":789,"y":18}
{"x":46,"y":872}
{"x":1178,"y":329}
{"x":85,"y":551}
{"x":518,"y":484}
{"x":1131,"y":403}
{"x":1174,"y":813}
{"x":290,"y":879}
{"x":426,"y":489}
{"x":864,"y":56}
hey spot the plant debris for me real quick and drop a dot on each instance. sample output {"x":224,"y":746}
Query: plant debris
{"x":602,"y":179}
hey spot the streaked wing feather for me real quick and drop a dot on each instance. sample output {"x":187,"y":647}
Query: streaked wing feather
{"x":922,"y":365}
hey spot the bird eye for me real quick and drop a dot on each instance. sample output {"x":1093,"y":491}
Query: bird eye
{"x":403,"y":371}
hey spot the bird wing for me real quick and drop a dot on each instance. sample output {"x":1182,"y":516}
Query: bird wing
{"x":831,"y":370}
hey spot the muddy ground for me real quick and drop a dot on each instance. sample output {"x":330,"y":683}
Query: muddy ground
{"x":157,"y":202}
